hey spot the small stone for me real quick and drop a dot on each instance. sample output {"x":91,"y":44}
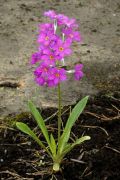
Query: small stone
{"x":5,"y":151}
{"x":1,"y":160}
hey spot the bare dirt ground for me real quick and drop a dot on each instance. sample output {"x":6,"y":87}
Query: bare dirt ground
{"x":100,"y":28}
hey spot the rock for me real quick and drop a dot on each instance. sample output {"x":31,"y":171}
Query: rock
{"x":99,"y":52}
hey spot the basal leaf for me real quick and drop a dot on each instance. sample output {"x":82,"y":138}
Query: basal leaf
{"x":81,"y":140}
{"x":25,"y":128}
{"x":77,"y":110}
{"x":40,"y":121}
{"x":77,"y":142}
{"x":53,"y":144}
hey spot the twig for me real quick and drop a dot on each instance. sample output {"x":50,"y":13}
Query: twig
{"x":50,"y":117}
{"x":113,"y":149}
{"x":6,"y":127}
{"x":93,"y":114}
{"x":96,"y":127}
{"x":38,"y":173}
{"x":86,"y":169}
{"x":78,"y":161}
{"x":105,"y":118}
{"x":88,"y":174}
{"x":15,"y":175}
{"x":115,"y":107}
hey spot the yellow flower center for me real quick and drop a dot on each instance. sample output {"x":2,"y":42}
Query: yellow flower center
{"x":46,"y":38}
{"x":61,"y":48}
{"x":51,"y":57}
{"x":57,"y":75}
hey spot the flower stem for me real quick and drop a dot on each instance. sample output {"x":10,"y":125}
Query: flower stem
{"x":59,"y":112}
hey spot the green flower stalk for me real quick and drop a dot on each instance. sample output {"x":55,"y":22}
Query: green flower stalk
{"x":59,"y":112}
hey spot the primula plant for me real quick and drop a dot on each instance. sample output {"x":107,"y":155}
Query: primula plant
{"x":54,"y":44}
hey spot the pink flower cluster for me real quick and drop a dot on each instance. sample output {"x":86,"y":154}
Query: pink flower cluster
{"x":53,"y":47}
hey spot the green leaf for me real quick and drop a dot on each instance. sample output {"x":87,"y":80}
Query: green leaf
{"x":25,"y":128}
{"x":81,"y":140}
{"x":40,"y":121}
{"x":77,"y":110}
{"x":69,"y":147}
{"x":53,"y":144}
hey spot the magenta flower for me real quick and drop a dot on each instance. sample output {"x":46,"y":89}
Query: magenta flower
{"x":53,"y":48}
{"x":72,"y":35}
{"x":41,"y":74}
{"x":45,"y":38}
{"x":78,"y":72}
{"x":40,"y":81}
{"x":51,"y":14}
{"x":36,"y":57}
{"x":64,"y":20}
{"x":42,"y":70}
{"x":56,"y":76}
{"x":49,"y":57}
{"x":62,"y":48}
{"x":46,"y":27}
{"x":72,"y":23}
{"x":50,"y":76}
{"x":61,"y":19}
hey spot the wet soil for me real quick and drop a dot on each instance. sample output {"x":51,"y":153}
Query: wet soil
{"x":97,"y":159}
